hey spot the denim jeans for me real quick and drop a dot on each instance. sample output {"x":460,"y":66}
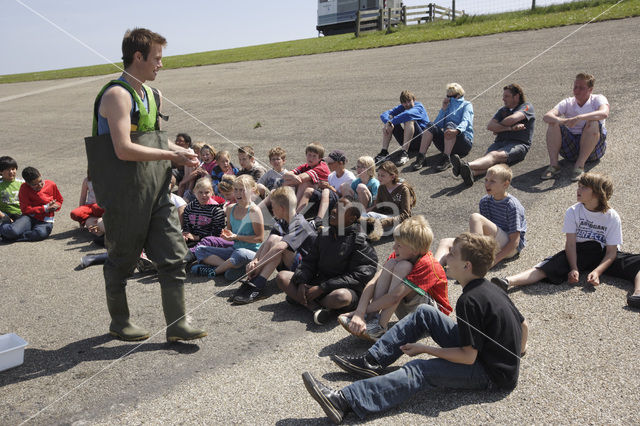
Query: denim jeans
{"x":26,"y":228}
{"x":384,"y":392}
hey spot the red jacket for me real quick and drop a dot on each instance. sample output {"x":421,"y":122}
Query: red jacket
{"x":32,"y":203}
{"x":429,"y":275}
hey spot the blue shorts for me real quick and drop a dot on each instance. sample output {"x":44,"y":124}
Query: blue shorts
{"x":570,"y":147}
{"x":238,"y":257}
{"x":516,"y":151}
{"x":460,"y":148}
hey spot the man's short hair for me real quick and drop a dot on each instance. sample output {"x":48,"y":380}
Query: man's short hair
{"x":454,"y":89}
{"x":416,"y":233}
{"x":246,"y":150}
{"x":501,"y":171}
{"x":480,"y":250}
{"x":29,"y":174}
{"x":7,"y":162}
{"x":515,"y":89}
{"x":588,"y":78}
{"x":285,"y":197}
{"x":406,"y":96}
{"x":139,"y":40}
{"x":277,"y":152}
{"x":315,"y":147}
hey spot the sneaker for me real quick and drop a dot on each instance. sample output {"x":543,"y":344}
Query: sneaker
{"x":501,"y":282}
{"x":361,"y":366}
{"x":445,"y":163}
{"x":419,"y":162}
{"x":145,"y":266}
{"x":466,"y":173}
{"x":382,"y":156}
{"x":202,"y":270}
{"x":374,"y":331}
{"x":455,"y":164}
{"x":332,"y":402}
{"x":322,"y":316}
{"x":344,"y":321}
{"x":404,"y":157}
{"x":247,"y":293}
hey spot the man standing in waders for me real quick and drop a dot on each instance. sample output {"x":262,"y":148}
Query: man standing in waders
{"x":129,"y":163}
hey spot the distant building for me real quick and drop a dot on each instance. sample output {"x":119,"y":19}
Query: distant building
{"x":339,"y":16}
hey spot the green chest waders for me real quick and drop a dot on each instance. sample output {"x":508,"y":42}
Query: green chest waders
{"x":139,"y":214}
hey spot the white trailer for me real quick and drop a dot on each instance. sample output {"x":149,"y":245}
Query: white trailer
{"x":339,"y":16}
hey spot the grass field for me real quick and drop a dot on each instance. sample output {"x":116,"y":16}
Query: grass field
{"x":467,"y":26}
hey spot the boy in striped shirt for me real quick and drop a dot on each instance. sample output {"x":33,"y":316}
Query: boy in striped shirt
{"x":501,"y":217}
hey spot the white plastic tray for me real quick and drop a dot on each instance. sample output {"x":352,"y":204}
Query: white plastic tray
{"x":11,"y":351}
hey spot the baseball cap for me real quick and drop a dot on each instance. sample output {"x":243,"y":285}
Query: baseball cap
{"x":336,"y":155}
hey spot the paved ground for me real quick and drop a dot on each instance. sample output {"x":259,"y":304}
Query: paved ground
{"x":582,"y":360}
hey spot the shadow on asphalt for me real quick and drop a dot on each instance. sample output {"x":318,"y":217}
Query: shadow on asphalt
{"x":39,"y":362}
{"x":531,"y":182}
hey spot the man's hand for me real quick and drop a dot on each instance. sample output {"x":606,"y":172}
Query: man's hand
{"x":291,"y":180}
{"x":574,"y":276}
{"x":251,"y":269}
{"x":312,"y":293}
{"x":518,"y":127}
{"x":185,"y":158}
{"x":302,"y":294}
{"x":445,"y":102}
{"x":357,"y":325}
{"x":451,"y":133}
{"x":413,"y":349}
{"x":593,"y":278}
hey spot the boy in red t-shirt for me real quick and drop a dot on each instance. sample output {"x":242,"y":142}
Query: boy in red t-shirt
{"x":309,"y":174}
{"x":389,"y":292}
{"x":39,"y":200}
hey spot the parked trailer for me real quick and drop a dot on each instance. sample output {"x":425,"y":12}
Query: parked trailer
{"x":339,"y":16}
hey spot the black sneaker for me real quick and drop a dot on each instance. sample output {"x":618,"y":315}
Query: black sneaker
{"x":445,"y":163}
{"x":382,"y":156}
{"x":501,"y":282}
{"x":332,"y":402}
{"x":359,"y":366}
{"x":419,"y":162}
{"x":322,"y":316}
{"x":455,"y":164}
{"x":404,"y":157}
{"x":247,"y":293}
{"x":466,"y":173}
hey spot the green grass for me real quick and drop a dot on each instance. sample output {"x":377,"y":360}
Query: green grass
{"x":467,"y":26}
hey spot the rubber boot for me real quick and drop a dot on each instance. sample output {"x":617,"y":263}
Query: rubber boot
{"x":175,"y":314}
{"x":120,"y":326}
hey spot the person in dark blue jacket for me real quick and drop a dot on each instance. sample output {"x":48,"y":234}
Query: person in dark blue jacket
{"x":415,"y":119}
{"x":452,"y":132}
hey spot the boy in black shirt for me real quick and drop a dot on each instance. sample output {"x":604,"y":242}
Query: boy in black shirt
{"x":481,"y":351}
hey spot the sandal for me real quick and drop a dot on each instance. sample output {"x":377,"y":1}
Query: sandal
{"x":576,"y":173}
{"x":550,"y":172}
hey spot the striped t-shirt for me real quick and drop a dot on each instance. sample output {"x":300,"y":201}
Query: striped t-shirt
{"x":203,"y":221}
{"x":507,"y":214}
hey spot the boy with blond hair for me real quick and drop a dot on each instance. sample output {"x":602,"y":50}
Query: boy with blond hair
{"x":410,"y":277}
{"x":501,"y":217}
{"x":289,"y":240}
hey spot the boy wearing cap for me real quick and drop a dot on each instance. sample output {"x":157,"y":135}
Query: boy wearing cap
{"x":328,"y":193}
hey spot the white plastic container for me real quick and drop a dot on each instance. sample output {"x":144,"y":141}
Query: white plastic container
{"x":11,"y":351}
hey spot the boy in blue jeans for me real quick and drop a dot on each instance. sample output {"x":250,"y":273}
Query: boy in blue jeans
{"x":39,"y":200}
{"x":481,"y":351}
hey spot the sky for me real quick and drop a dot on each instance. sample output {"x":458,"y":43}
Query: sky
{"x":40,"y":35}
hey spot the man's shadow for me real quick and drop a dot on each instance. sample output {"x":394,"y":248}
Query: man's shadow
{"x":40,"y":362}
{"x":531,"y":182}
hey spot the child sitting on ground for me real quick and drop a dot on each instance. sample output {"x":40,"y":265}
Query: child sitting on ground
{"x":88,"y":211}
{"x":308,"y":175}
{"x":364,"y":189}
{"x":501,"y":217}
{"x":393,"y":203}
{"x":225,"y":188}
{"x":327,"y":194}
{"x":593,"y":233}
{"x":224,"y":167}
{"x":289,"y":241}
{"x":274,"y":177}
{"x":204,"y":216}
{"x":39,"y":200}
{"x":388,"y":291}
{"x":245,"y":227}
{"x":332,"y":276}
{"x":248,"y":163}
{"x":192,"y":174}
{"x":9,"y":188}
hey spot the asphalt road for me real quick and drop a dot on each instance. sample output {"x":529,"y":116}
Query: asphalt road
{"x":581,"y":365}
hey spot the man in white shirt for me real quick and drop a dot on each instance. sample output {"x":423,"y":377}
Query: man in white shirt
{"x":576,"y":128}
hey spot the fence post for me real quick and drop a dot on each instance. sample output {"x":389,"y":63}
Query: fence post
{"x":453,"y":9}
{"x":358,"y":23}
{"x":380,"y":19}
{"x":388,"y":17}
{"x":430,"y":12}
{"x":533,"y":4}
{"x":403,"y":16}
